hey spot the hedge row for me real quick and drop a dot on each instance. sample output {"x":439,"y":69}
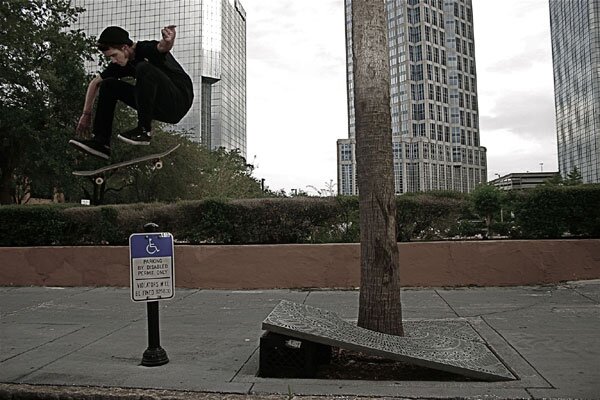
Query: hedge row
{"x":557,"y":211}
{"x":260,"y":221}
{"x":550,"y":212}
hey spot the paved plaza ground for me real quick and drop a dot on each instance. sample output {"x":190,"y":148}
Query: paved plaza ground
{"x":88,"y":342}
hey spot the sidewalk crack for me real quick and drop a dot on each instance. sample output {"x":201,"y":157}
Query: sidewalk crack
{"x":43,"y":344}
{"x":74,"y":350}
{"x":447,"y":303}
{"x":593,"y":300}
{"x":550,"y":385}
{"x":244,"y":364}
{"x":306,"y":297}
{"x":519,"y":308}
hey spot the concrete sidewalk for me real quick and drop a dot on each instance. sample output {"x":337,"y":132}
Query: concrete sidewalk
{"x":94,"y":337}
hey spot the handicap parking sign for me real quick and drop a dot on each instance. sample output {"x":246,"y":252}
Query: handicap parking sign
{"x":152,"y":266}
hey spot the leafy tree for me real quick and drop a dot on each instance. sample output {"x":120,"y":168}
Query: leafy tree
{"x":226,"y":174}
{"x":327,"y":191}
{"x":556,"y":180}
{"x":42,"y":84}
{"x":574,"y":178}
{"x":191,"y":172}
{"x":379,"y":301}
{"x":487,"y":201}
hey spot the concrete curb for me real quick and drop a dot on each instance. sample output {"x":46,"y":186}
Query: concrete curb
{"x":46,"y":392}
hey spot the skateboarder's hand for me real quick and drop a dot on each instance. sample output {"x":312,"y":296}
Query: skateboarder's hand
{"x":168,"y":33}
{"x":85,"y":121}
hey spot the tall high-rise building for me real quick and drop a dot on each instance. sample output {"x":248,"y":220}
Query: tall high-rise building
{"x":211,"y":47}
{"x":434,"y":106}
{"x":575,"y":29}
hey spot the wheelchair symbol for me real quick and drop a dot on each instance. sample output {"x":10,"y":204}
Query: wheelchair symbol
{"x":151,"y":247}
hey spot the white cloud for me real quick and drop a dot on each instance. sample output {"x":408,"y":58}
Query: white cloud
{"x":515,"y":85}
{"x":297,"y":87}
{"x":509,"y":152}
{"x":296,"y":90}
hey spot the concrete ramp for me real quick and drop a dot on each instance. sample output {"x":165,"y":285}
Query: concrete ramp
{"x":447,"y":345}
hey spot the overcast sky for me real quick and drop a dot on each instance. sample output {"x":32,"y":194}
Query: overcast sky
{"x":297,"y":88}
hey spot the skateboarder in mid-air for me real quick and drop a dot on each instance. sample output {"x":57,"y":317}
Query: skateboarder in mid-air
{"x":162,"y":91}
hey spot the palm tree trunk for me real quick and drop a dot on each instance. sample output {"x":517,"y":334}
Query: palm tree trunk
{"x":379,"y":304}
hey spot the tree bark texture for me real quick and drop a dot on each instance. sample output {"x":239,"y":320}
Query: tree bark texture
{"x":379,"y":303}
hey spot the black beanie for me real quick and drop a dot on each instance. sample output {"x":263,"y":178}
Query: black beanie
{"x":114,"y":35}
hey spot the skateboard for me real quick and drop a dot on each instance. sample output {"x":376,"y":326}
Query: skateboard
{"x":97,"y":174}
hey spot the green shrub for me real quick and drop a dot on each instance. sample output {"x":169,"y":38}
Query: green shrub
{"x":556,"y":211}
{"x":468,"y":228}
{"x":546,"y":212}
{"x":95,"y":225}
{"x":427,"y":217}
{"x":584,"y":212}
{"x":35,"y":225}
{"x":347,"y":227}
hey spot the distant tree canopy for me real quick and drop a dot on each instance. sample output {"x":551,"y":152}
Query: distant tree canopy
{"x":191,"y":172}
{"x":42,"y":85}
{"x":573,"y":178}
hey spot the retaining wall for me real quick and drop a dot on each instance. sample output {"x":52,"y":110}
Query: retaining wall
{"x":473,"y":263}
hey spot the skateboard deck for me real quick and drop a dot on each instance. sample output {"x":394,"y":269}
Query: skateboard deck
{"x":97,"y":173}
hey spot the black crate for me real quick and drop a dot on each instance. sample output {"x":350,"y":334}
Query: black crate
{"x":286,"y":357}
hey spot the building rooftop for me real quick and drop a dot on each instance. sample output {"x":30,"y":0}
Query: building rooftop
{"x":522,"y":180}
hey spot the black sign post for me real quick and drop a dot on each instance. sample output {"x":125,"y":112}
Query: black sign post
{"x":154,"y":355}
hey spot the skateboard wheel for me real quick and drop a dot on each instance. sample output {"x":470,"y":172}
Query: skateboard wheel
{"x":158,"y":165}
{"x":99,"y":180}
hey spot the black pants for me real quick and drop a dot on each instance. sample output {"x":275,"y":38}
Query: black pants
{"x":154,"y":96}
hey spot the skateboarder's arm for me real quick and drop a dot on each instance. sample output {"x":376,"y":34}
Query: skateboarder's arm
{"x":85,"y":120}
{"x":90,"y":95}
{"x":168,"y":39}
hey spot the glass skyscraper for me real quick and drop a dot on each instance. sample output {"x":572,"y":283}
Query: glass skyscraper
{"x":575,"y":27}
{"x":434,"y":106}
{"x":211,"y":47}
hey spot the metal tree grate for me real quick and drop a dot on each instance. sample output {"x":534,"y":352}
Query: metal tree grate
{"x":451,"y":346}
